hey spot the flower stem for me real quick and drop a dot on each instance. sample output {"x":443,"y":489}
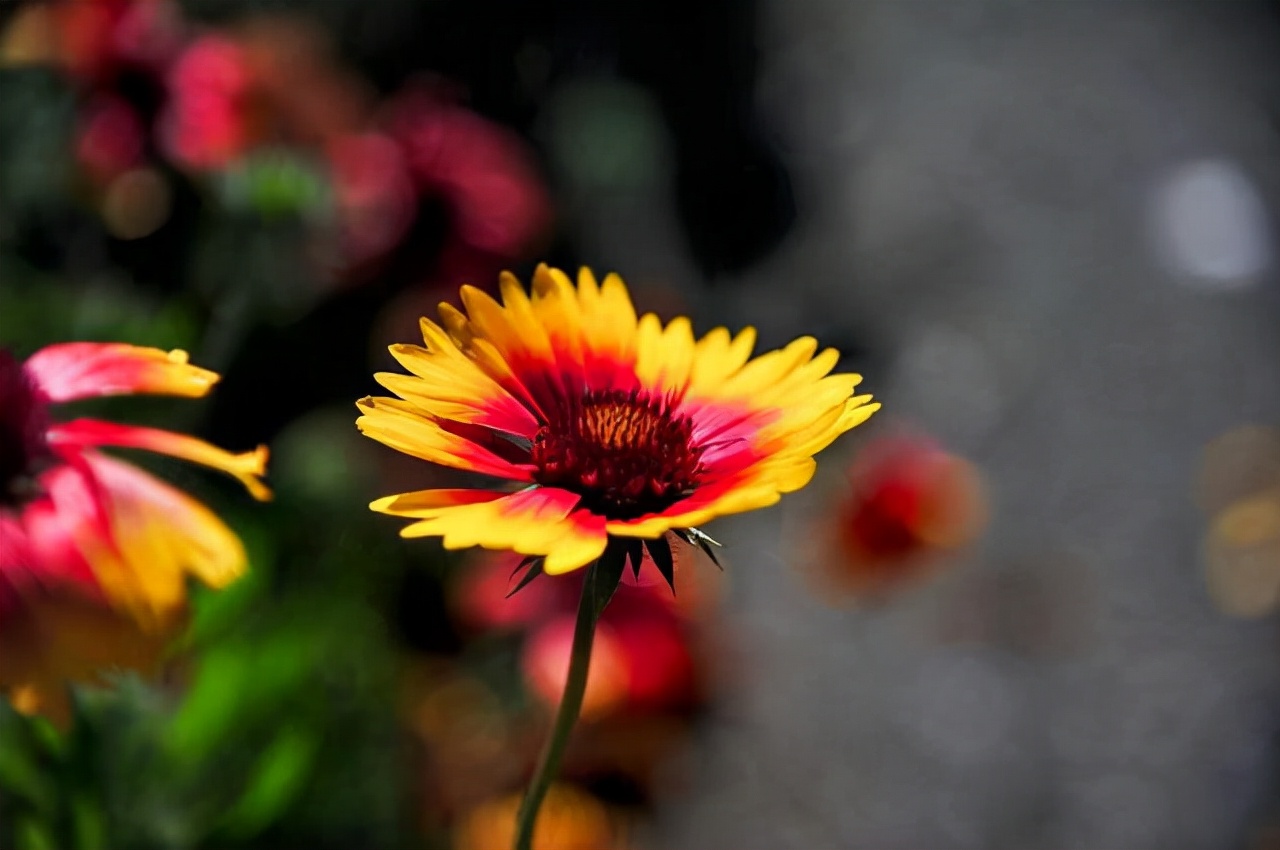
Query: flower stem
{"x":584,"y":632}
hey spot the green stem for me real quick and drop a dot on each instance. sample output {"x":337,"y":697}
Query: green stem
{"x":584,"y":632}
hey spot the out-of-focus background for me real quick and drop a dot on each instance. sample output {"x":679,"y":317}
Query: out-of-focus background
{"x":1030,"y":605}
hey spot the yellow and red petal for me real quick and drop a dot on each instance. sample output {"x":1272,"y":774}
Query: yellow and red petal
{"x":422,"y":504}
{"x":246,"y":467}
{"x":407,"y":428}
{"x":75,"y":370}
{"x":555,"y":306}
{"x":556,"y":343}
{"x":705,"y":504}
{"x":522,"y":342}
{"x":584,"y":541}
{"x":160,"y":537}
{"x":447,"y":385}
{"x":534,"y":521}
{"x":609,"y":329}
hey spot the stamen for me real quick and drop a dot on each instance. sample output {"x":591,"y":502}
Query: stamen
{"x":625,"y":452}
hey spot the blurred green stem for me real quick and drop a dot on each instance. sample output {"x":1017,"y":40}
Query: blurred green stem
{"x":584,"y":632}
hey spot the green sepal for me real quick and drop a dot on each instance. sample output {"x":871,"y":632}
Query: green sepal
{"x":603,"y":578}
{"x":660,"y":551}
{"x":635,"y":554}
{"x":534,"y":565}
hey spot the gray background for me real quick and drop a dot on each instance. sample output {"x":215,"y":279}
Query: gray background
{"x":1055,"y":223}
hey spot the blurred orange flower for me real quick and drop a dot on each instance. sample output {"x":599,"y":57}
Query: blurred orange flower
{"x":1238,"y":488}
{"x":570,"y":820}
{"x":92,"y":39}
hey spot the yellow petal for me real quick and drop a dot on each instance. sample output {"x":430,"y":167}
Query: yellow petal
{"x":160,"y":537}
{"x":406,"y":428}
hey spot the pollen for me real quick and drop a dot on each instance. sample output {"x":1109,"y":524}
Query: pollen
{"x":625,"y":452}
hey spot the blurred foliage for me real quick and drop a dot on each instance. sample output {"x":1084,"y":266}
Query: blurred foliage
{"x":277,"y":727}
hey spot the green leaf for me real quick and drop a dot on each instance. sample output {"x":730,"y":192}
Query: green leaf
{"x":88,"y":823}
{"x":218,"y":612}
{"x":20,"y":770}
{"x":33,"y":834}
{"x":278,"y":779}
{"x":49,"y":737}
{"x":238,"y":684}
{"x":209,"y":710}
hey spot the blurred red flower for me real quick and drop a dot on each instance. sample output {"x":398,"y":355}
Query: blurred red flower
{"x":643,"y":659}
{"x":908,"y":505}
{"x":110,"y":138}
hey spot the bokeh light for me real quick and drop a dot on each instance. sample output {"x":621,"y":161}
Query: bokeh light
{"x":1210,"y":225}
{"x":1238,"y":488}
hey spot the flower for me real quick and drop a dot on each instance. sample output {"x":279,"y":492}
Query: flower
{"x":615,"y":427}
{"x":93,"y":40}
{"x":211,"y":116}
{"x":573,"y":820}
{"x":909,"y":504}
{"x":483,"y":171}
{"x":94,"y":552}
{"x":544,"y":663}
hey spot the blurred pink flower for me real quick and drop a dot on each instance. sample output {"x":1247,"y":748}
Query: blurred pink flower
{"x":373,"y":193}
{"x":209,"y":119}
{"x":479,"y":597}
{"x":483,"y":171}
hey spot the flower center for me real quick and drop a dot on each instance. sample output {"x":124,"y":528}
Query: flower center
{"x":24,"y":418}
{"x":624,"y":452}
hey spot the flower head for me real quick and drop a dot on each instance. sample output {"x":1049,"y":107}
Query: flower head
{"x":616,"y":427}
{"x":94,"y":552}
